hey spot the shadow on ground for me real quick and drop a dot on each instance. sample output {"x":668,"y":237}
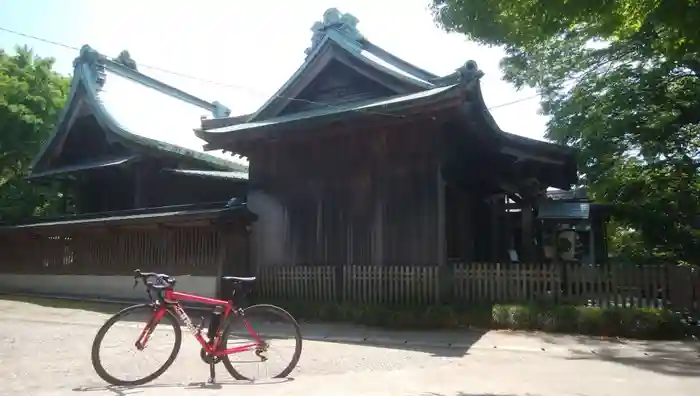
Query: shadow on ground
{"x":93,"y":306}
{"x":435,"y":343}
{"x":127,"y":390}
{"x":471,"y":394}
{"x":439,"y":344}
{"x":678,"y":358}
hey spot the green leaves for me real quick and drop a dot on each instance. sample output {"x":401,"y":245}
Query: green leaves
{"x":620,"y":81}
{"x":31,"y":97}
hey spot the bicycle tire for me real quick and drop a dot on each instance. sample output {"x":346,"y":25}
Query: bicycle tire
{"x":264,"y":308}
{"x":95,"y":354}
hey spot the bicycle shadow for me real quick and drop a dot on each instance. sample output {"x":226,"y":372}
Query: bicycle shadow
{"x":130,"y":390}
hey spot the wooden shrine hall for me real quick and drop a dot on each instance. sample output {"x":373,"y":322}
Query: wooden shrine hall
{"x":363,"y":158}
{"x":139,"y":191}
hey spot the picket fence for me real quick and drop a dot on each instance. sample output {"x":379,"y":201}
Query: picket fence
{"x":597,"y":285}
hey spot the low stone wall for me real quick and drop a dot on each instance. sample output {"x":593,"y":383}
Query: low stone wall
{"x":102,"y":286}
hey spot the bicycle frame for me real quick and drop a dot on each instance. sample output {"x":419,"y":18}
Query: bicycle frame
{"x":171,"y":299}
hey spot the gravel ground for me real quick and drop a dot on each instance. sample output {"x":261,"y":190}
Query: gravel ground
{"x":46,"y":351}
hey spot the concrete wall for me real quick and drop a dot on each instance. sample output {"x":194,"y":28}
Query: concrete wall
{"x":118,"y":287}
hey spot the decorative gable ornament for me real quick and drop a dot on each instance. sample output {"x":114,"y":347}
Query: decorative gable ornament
{"x":94,"y":61}
{"x":343,"y":23}
{"x":124,"y":58}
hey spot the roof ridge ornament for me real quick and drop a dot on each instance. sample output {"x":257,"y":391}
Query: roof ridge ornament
{"x":94,"y":61}
{"x":463,"y":75}
{"x":343,"y":23}
{"x":469,"y":72}
{"x":124,"y":58}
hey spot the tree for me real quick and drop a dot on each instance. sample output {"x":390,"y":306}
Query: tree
{"x":620,"y":81}
{"x":31,"y":96}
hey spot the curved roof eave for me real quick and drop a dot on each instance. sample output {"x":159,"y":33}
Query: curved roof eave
{"x":491,"y":122}
{"x":354,"y":49}
{"x":278,"y":94}
{"x":413,"y":69}
{"x":67,"y":110}
{"x":439,"y":98}
{"x":84,"y":73}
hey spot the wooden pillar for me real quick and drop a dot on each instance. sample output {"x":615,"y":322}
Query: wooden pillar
{"x":496,"y":212}
{"x":465,"y":239}
{"x":508,"y":242}
{"x":441,"y":218}
{"x":377,"y":169}
{"x":445,"y":272}
{"x":527,"y":225}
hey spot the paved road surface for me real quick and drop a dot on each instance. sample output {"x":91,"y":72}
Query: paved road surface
{"x":46,"y":351}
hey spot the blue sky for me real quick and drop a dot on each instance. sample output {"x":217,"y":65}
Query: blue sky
{"x":251,"y":47}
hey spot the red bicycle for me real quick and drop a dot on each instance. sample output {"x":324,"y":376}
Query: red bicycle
{"x":165,"y":309}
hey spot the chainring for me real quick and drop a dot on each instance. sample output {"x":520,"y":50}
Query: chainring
{"x":207,"y":358}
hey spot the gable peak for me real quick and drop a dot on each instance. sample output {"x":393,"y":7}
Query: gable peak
{"x":343,"y":23}
{"x":95,"y":63}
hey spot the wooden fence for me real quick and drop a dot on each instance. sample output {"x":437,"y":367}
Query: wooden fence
{"x":365,"y":284}
{"x":608,"y":285}
{"x":185,"y":250}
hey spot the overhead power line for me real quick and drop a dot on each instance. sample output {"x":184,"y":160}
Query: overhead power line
{"x":222,"y":84}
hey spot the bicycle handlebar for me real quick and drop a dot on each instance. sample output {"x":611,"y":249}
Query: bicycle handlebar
{"x":154,"y":280}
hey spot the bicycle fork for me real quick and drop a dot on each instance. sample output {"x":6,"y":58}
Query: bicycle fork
{"x":148,"y":329}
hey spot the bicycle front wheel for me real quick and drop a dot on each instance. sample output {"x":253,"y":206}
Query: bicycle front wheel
{"x":278,"y":343}
{"x":116,"y":355}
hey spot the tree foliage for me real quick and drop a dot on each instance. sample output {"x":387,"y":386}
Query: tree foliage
{"x":31,"y":96}
{"x":620,"y":81}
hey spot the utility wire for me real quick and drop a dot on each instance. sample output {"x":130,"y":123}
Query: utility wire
{"x":235,"y":86}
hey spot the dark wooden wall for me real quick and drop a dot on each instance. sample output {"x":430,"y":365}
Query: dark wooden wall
{"x":352,"y":197}
{"x":104,"y":190}
{"x":141,"y":183}
{"x":86,"y":143}
{"x":165,"y":189}
{"x":337,"y":84}
{"x":121,"y":189}
{"x":477,"y":225}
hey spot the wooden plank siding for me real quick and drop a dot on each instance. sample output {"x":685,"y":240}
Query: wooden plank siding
{"x":187,"y":250}
{"x":352,"y":198}
{"x":203,"y":242}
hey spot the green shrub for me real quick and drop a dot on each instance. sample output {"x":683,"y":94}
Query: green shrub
{"x":589,"y":321}
{"x":639,"y":323}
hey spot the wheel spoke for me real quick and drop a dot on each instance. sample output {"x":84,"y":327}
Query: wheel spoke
{"x":270,"y":325}
{"x":158,"y":334}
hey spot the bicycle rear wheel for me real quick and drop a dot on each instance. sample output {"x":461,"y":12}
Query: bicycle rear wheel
{"x":277,"y":330}
{"x":129,"y":326}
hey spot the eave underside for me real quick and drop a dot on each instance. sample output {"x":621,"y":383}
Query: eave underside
{"x":206,"y":212}
{"x":84,"y":102}
{"x":459,"y":114}
{"x":80,"y":168}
